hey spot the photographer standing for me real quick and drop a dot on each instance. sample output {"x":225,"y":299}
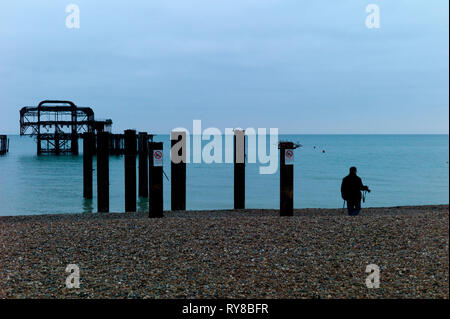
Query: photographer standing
{"x":351,"y":191}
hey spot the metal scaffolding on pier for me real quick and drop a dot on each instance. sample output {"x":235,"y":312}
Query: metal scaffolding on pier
{"x":57,"y":125}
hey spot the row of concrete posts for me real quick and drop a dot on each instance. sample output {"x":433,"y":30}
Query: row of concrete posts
{"x":151,"y":171}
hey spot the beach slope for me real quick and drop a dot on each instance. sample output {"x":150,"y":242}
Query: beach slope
{"x":318,"y":253}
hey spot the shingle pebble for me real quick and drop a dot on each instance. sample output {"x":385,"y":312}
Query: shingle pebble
{"x":318,"y":253}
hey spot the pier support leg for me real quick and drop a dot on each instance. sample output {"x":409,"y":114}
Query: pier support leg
{"x":178,"y":170}
{"x":118,"y":145}
{"x":130,"y":171}
{"x":143,"y":165}
{"x":88,"y":151}
{"x":38,"y":137}
{"x":74,"y":140}
{"x":57,"y":148}
{"x":286,"y":179}
{"x":155,"y":179}
{"x":103,"y":172}
{"x":38,"y":145}
{"x":74,"y":146}
{"x":239,"y":169}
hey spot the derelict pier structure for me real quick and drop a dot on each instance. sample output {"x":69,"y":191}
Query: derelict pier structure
{"x":4,"y":144}
{"x":57,"y":125}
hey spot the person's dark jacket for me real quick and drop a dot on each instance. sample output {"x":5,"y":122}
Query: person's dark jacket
{"x":351,"y":188}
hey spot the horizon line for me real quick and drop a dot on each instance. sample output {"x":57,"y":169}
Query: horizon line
{"x":156,"y":133}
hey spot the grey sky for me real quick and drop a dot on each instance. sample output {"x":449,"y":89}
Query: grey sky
{"x":301,"y":66}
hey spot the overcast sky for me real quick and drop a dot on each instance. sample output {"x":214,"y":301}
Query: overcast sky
{"x":300,"y":66}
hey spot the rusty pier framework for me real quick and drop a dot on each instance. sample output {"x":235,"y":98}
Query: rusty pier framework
{"x":4,"y":144}
{"x":57,"y":125}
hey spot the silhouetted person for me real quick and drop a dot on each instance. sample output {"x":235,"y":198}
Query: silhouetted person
{"x":351,"y":191}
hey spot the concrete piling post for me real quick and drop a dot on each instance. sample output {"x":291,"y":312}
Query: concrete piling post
{"x":239,"y":169}
{"x":143,"y":165}
{"x":178,"y":170}
{"x":88,"y":151}
{"x":130,"y":171}
{"x":103,"y":172}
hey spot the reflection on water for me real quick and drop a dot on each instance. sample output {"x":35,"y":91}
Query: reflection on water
{"x":142,"y":204}
{"x":88,"y":206}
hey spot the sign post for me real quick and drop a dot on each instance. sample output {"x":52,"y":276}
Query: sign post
{"x":289,"y":157}
{"x":287,"y":178}
{"x":156,"y":179}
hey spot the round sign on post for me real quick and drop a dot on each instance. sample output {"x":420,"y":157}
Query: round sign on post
{"x":157,"y":158}
{"x":289,"y":157}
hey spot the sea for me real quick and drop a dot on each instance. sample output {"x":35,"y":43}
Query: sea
{"x":399,"y":169}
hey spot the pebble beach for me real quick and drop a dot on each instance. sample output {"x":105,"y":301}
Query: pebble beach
{"x":318,"y":253}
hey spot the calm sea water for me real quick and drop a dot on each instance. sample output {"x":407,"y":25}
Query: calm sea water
{"x":400,"y":170}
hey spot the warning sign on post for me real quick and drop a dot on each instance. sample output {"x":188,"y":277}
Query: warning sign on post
{"x":157,"y":158}
{"x":289,"y":157}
